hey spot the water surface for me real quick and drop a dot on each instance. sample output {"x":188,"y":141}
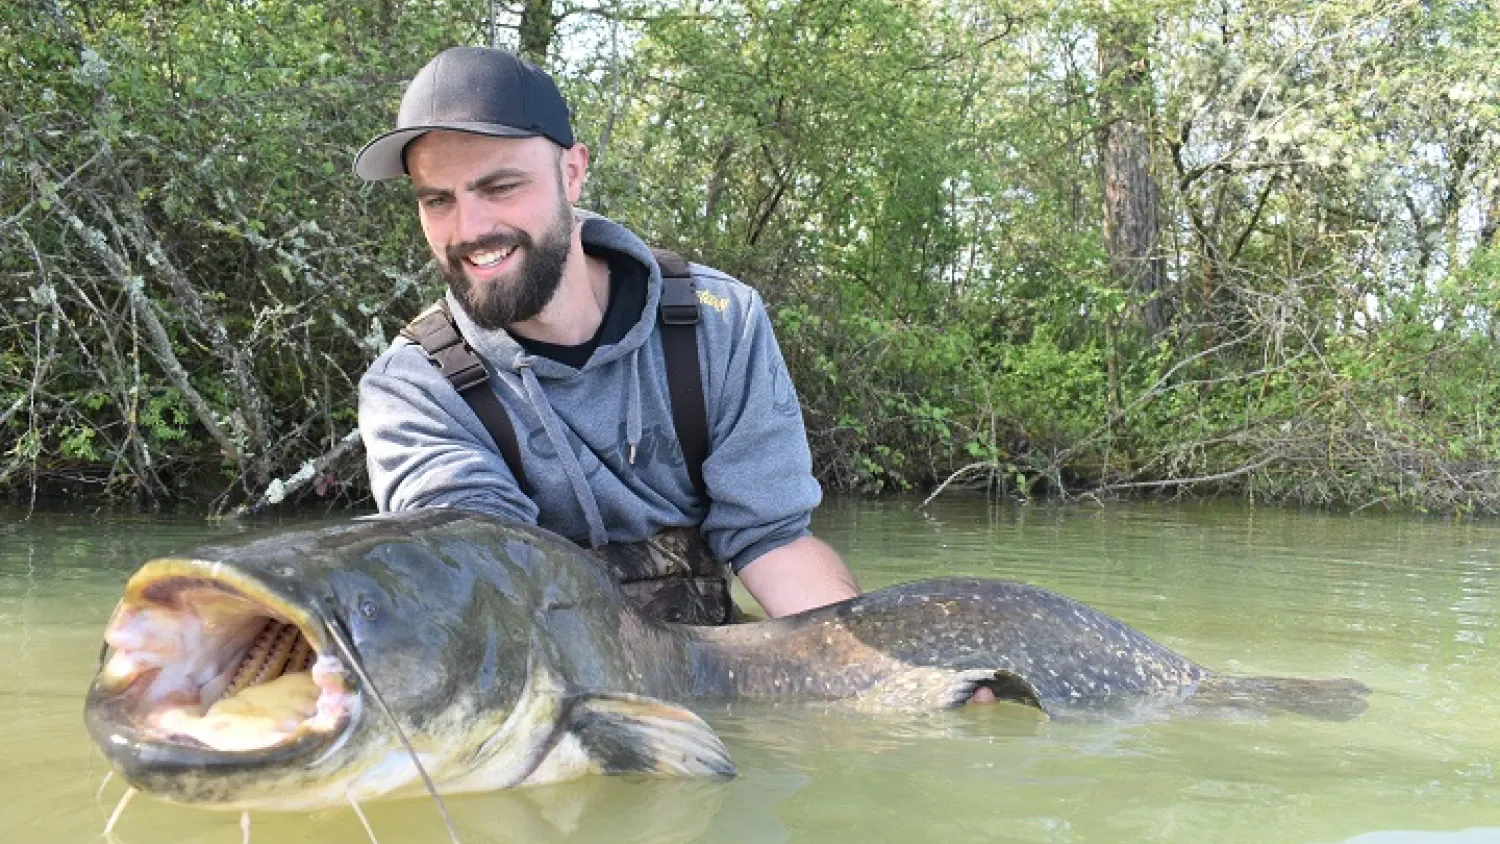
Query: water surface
{"x":1407,"y":605}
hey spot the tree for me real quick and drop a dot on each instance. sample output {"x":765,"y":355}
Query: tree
{"x":536,"y":29}
{"x":1131,"y":199}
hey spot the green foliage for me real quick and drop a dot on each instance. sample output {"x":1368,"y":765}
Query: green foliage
{"x":166,"y":417}
{"x":915,"y":187}
{"x":77,"y":442}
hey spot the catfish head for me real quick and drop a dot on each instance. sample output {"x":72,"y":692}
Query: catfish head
{"x":441,"y":649}
{"x":288,"y":672}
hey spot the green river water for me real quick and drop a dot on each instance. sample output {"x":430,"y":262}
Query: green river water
{"x":1407,"y":605}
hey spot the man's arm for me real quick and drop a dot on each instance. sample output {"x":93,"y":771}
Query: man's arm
{"x":800,"y":575}
{"x":425,"y":447}
{"x":759,"y":469}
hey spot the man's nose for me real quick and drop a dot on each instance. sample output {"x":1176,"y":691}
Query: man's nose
{"x":475,"y":218}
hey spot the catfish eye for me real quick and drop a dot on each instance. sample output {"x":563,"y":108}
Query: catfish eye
{"x":368,"y":609}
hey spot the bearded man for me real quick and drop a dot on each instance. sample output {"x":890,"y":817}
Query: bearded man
{"x":561,"y":307}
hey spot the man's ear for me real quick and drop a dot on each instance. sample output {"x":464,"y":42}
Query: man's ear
{"x":574,"y":162}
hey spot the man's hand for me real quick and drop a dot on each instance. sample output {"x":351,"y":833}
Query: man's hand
{"x":803,"y":574}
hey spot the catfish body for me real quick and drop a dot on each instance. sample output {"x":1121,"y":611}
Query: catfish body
{"x":292,"y":671}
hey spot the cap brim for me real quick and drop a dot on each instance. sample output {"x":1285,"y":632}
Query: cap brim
{"x":381,"y":158}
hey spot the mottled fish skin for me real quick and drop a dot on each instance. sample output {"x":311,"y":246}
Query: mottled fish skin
{"x":901,"y":644}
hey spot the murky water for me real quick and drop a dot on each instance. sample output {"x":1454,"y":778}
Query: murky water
{"x":1407,"y":605}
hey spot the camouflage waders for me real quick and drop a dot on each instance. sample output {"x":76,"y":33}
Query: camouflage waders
{"x":672,"y":577}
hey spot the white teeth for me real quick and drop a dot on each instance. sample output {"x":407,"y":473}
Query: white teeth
{"x":489,"y":259}
{"x":122,"y":667}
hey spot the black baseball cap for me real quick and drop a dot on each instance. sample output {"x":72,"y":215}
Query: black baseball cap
{"x":470,"y":89}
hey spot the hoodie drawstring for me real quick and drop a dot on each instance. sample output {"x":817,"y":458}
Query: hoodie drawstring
{"x":597,"y":534}
{"x":633,"y":408}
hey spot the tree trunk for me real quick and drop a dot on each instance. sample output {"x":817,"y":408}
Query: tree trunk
{"x":1489,"y":231}
{"x":537,"y":26}
{"x":1130,"y":193}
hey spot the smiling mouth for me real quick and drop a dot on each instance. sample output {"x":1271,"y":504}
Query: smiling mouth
{"x":201,"y":659}
{"x":484,"y":259}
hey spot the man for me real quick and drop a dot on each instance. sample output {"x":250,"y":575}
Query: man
{"x":561,"y":306}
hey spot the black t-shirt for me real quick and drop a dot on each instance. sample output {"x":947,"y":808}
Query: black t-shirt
{"x":627,"y":297}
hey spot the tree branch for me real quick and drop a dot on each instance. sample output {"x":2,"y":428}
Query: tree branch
{"x":135,"y":289}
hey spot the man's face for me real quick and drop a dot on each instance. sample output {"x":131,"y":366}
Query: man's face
{"x":498,"y":215}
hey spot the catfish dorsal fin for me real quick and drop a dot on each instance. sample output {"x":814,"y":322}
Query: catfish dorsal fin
{"x":630,"y":734}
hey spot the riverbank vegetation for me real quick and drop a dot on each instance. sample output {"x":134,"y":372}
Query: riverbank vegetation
{"x":1043,"y":248}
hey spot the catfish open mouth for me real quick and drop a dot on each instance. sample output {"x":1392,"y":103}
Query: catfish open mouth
{"x":206,"y":660}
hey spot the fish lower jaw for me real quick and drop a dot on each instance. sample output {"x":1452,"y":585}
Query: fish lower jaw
{"x":389,"y":772}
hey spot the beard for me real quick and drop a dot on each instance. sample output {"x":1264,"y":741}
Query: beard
{"x":503,"y":301}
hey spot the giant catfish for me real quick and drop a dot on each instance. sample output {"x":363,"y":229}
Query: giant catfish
{"x":307,"y":669}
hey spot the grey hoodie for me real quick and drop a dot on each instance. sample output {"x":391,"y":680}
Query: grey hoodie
{"x":578,"y":429}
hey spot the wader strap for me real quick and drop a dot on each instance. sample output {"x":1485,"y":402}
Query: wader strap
{"x":437,"y":334}
{"x":679,"y":341}
{"x":435,"y":331}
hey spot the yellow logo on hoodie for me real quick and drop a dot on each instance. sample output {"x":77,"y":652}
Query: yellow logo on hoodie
{"x":718,"y":303}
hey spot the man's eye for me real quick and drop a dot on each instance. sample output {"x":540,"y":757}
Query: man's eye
{"x":432,"y":203}
{"x":495,"y":190}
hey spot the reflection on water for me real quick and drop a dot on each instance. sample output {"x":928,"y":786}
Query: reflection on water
{"x":1407,"y":605}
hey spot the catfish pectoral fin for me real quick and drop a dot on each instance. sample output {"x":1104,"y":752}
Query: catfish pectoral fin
{"x":626,"y":734}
